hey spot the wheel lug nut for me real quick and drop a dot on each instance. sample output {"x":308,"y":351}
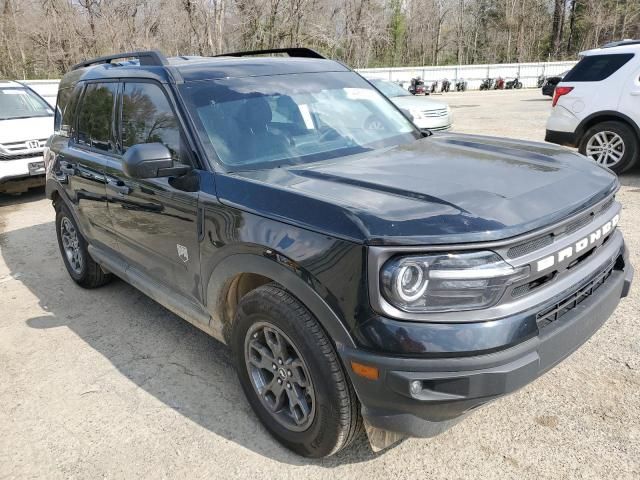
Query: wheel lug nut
{"x":288,"y":385}
{"x":279,"y":381}
{"x":289,"y":372}
{"x":280,"y":361}
{"x":274,"y":366}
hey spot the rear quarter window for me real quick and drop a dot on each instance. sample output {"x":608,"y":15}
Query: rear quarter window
{"x":594,"y":68}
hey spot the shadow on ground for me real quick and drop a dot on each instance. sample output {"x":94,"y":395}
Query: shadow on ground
{"x":167,"y":357}
{"x":32,"y":195}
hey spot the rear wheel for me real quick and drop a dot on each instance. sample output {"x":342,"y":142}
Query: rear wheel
{"x":73,"y":247}
{"x":612,"y":144}
{"x":291,"y":374}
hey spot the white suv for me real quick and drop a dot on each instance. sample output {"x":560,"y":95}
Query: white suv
{"x":596,"y":106}
{"x":26,"y":121}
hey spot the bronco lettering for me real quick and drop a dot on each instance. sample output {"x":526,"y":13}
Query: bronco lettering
{"x":579,"y":246}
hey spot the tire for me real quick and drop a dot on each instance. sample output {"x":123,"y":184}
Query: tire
{"x":608,"y":133}
{"x":333,"y":411}
{"x":81,"y":267}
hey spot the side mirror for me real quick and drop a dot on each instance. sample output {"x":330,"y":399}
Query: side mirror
{"x":151,"y":160}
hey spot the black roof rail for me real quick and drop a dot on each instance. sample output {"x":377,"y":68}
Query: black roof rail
{"x":621,"y":43}
{"x":146,"y":57}
{"x":291,"y":51}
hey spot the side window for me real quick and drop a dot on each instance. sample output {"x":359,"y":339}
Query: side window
{"x":594,"y":68}
{"x":64,"y":95}
{"x":65,"y":111}
{"x":147,"y":117}
{"x":95,"y":116}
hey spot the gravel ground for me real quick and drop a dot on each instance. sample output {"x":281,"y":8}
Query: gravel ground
{"x":108,"y":384}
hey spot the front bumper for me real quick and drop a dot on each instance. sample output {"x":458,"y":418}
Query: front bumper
{"x":436,"y":124}
{"x":21,"y":174}
{"x":450,"y":386}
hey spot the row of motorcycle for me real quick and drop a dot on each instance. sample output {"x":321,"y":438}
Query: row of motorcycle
{"x":500,"y":83}
{"x":418,"y":86}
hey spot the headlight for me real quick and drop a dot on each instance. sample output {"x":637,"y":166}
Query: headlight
{"x":446,"y":282}
{"x":415,"y":113}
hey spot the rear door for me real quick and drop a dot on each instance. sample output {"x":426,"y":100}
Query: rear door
{"x":82,"y":162}
{"x":630,"y":99}
{"x":155,"y":219}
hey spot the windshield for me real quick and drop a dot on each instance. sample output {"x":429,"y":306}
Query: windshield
{"x":262,"y":122}
{"x":22,"y":103}
{"x":390,"y":89}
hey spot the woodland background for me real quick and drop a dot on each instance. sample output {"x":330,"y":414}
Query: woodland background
{"x":42,"y":38}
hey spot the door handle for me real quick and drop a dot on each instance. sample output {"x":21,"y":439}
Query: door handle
{"x":67,"y":168}
{"x":635,"y":93}
{"x":119,"y":187}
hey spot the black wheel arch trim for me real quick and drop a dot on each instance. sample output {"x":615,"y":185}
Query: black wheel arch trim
{"x":51,"y":189}
{"x":240,"y":263}
{"x":582,"y":127}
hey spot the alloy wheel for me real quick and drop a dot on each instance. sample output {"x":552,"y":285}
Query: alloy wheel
{"x":606,"y":148}
{"x":71,"y":245}
{"x":280,"y":376}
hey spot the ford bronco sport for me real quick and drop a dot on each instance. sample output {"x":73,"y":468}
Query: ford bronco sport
{"x":383,"y":277}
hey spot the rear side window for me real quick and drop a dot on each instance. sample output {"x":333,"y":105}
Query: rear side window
{"x":594,"y":68}
{"x":95,"y":116}
{"x":147,"y":117}
{"x":65,"y":111}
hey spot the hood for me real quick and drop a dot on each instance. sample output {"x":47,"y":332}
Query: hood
{"x":447,"y":188}
{"x":419,"y":103}
{"x":23,"y":129}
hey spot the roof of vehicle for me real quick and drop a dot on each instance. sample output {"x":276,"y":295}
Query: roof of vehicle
{"x":622,"y":46}
{"x":193,"y":68}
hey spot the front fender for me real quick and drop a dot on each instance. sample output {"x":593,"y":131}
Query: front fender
{"x":269,"y":266}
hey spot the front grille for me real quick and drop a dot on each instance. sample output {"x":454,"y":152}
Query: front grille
{"x":605,"y":206}
{"x":577,"y":224}
{"x":530,"y":246}
{"x":434,"y":113}
{"x":21,"y":149}
{"x":525,"y":248}
{"x":35,"y":154}
{"x":557,"y":310}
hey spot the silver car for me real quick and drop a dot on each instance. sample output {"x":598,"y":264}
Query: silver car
{"x":426,"y":113}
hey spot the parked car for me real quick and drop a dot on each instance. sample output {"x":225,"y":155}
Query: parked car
{"x":550,"y":83}
{"x":26,"y":121}
{"x":596,"y":106}
{"x":426,"y":113}
{"x":385,"y":277}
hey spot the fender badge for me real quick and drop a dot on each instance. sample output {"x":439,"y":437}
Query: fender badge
{"x":183,"y":253}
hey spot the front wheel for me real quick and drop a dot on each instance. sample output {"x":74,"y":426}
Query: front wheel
{"x":291,"y":374}
{"x":612,"y":144}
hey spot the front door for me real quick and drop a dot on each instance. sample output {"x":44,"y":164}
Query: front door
{"x":155,"y":220}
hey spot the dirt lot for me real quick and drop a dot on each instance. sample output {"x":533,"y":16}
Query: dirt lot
{"x":108,"y":384}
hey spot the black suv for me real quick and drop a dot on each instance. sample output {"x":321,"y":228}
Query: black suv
{"x":379,"y":276}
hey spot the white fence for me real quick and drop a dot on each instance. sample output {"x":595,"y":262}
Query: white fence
{"x":473,"y":74}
